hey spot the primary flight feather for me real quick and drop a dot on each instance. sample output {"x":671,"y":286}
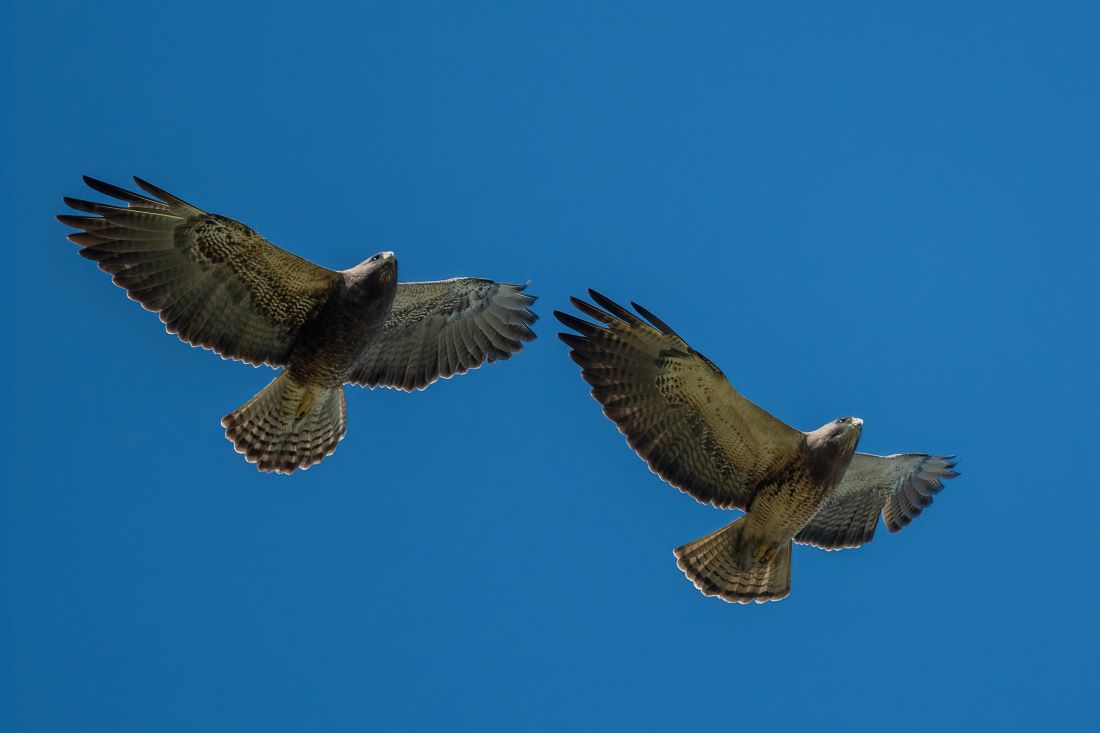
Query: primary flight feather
{"x":682,"y":416}
{"x":218,"y":284}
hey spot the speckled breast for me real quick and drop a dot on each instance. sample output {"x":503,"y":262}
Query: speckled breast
{"x":785,"y":505}
{"x":328,"y":347}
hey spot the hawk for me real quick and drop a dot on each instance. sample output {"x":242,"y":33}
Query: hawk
{"x":218,"y":284}
{"x":682,"y":416}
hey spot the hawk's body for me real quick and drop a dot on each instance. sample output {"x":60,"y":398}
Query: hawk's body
{"x":329,"y":345}
{"x":679,"y":413}
{"x":218,"y":284}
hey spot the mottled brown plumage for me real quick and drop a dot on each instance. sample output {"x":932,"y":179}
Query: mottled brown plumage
{"x":683,"y":417}
{"x":218,"y":284}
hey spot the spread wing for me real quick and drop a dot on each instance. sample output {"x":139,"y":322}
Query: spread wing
{"x":898,"y":487}
{"x":676,"y":409}
{"x":215,"y":282}
{"x":439,"y":329}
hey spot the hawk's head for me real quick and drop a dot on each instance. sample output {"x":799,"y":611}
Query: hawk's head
{"x":381,"y":269}
{"x":838,"y":437}
{"x":843,"y":431}
{"x":372,"y":285}
{"x":836,"y":441}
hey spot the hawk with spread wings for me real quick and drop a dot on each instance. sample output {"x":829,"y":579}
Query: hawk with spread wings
{"x":682,"y":416}
{"x":218,"y":284}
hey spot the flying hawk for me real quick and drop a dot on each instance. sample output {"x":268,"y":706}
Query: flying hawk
{"x":681,"y":415}
{"x":220,"y":285}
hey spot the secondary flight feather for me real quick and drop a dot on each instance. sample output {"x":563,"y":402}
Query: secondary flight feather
{"x":218,"y":284}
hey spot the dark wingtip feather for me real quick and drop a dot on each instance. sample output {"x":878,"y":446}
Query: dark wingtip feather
{"x":161,"y":194}
{"x":86,"y":239}
{"x":98,"y":185}
{"x":97,"y":255}
{"x":657,"y":322}
{"x":572,"y":340}
{"x":949,"y":463}
{"x":580,"y":360}
{"x":518,"y":287}
{"x":109,"y":189}
{"x":80,"y":204}
{"x":593,"y":312}
{"x":76,"y":222}
{"x":578,"y":325}
{"x":611,"y":306}
{"x":563,"y":317}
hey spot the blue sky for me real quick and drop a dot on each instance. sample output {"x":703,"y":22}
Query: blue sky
{"x":889,"y":212}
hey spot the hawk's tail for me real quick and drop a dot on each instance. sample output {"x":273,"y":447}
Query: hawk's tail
{"x":712,"y":563}
{"x":288,"y":425}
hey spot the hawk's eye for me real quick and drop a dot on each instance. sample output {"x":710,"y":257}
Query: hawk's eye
{"x":841,"y":421}
{"x":376,"y":258}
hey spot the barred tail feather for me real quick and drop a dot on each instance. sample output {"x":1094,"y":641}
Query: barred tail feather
{"x":712,"y":564}
{"x":288,"y":425}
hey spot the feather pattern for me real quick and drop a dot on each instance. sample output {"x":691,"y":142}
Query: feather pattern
{"x":438,"y":329}
{"x":898,"y":487}
{"x":218,"y":284}
{"x":677,"y":410}
{"x":215,"y":282}
{"x":680,"y":414}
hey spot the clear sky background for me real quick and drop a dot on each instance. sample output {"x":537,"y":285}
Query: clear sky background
{"x":883,"y":210}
